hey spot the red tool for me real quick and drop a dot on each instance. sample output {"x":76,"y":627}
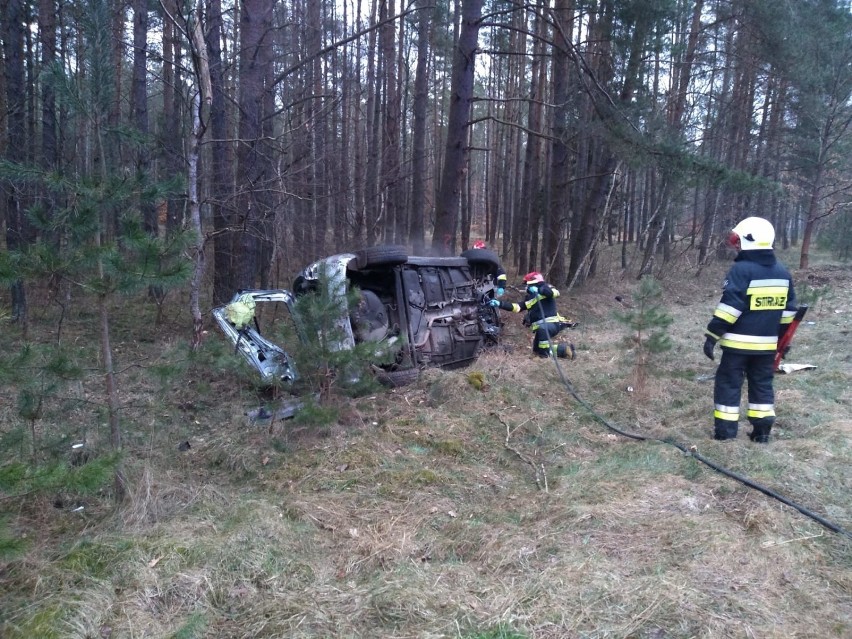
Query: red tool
{"x":784,"y":342}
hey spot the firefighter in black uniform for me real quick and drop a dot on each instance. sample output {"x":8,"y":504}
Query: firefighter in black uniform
{"x":542,"y":316}
{"x":757,"y":306}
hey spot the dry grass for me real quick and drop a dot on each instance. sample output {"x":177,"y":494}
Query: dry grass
{"x":456,"y":509}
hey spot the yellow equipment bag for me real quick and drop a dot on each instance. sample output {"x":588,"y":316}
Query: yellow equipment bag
{"x":240,"y":312}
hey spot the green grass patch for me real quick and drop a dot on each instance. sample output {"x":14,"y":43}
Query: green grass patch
{"x":98,"y":559}
{"x":44,"y":623}
{"x":395,"y":480}
{"x":193,"y":628}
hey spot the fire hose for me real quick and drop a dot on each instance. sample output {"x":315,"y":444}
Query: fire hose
{"x":691,"y":451}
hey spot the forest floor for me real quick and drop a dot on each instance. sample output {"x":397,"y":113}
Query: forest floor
{"x":471,"y":506}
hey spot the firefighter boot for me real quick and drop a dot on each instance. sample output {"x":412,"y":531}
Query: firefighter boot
{"x":725,"y":429}
{"x":566,"y":350}
{"x":722,"y":436}
{"x":760,"y":432}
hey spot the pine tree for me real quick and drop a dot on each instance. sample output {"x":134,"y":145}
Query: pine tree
{"x":92,"y":266}
{"x":92,"y":241}
{"x":647,"y":321}
{"x":327,"y":359}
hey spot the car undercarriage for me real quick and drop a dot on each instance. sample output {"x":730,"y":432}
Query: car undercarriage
{"x":431,"y":311}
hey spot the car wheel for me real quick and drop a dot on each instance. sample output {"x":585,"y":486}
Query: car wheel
{"x":397,"y":378}
{"x":482,"y":257}
{"x":382,"y":255}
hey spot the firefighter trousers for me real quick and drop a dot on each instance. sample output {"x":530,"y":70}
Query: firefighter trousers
{"x":758,"y":371}
{"x":543,"y":344}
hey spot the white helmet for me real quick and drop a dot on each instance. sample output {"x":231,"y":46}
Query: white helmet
{"x":752,"y":234}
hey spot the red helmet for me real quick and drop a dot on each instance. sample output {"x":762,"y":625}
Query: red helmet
{"x":533,"y":278}
{"x":479,"y":244}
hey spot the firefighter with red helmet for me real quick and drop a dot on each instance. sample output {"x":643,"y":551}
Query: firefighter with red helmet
{"x":498,"y":275}
{"x":757,"y":307}
{"x":542,"y":316}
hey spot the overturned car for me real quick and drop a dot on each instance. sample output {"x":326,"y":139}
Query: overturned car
{"x":424,"y":311}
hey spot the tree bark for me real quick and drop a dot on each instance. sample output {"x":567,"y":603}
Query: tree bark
{"x":525,"y":226}
{"x":553,"y":251}
{"x":455,"y":155}
{"x":16,"y":222}
{"x":201,"y":99}
{"x":252,"y":158}
{"x":416,"y":235}
{"x":139,"y":100}
{"x":119,"y":480}
{"x":172,"y":153}
{"x":221,"y":159}
{"x":390,"y":129}
{"x":372,"y":204}
{"x":47,"y":37}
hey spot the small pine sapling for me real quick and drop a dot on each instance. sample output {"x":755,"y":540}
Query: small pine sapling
{"x":38,"y":374}
{"x":328,"y":359}
{"x":647,"y":321}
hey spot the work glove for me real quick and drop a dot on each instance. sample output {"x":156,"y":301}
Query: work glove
{"x":709,"y":345}
{"x":500,"y":291}
{"x":533,"y":290}
{"x":494,"y":303}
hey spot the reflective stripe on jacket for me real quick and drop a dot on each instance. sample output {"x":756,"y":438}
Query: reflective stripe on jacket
{"x":758,"y":304}
{"x":553,"y":319}
{"x":540,"y":307}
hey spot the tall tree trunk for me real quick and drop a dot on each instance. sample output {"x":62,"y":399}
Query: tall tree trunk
{"x":677,"y":106}
{"x":416,"y":235}
{"x":372,"y":202}
{"x":737,"y":127}
{"x":201,"y":99}
{"x":391,"y":130}
{"x":16,"y":223}
{"x":200,"y":257}
{"x":255,"y":26}
{"x":113,"y":407}
{"x":139,"y":100}
{"x":532,"y":186}
{"x":172,"y":163}
{"x":714,"y":123}
{"x":601,"y":160}
{"x":114,"y":155}
{"x":49,"y":157}
{"x":47,"y":37}
{"x":266,"y":192}
{"x":513,"y":163}
{"x":221,"y":159}
{"x":553,"y":251}
{"x":812,"y":216}
{"x":315,"y":119}
{"x":455,"y":155}
{"x":361,"y":152}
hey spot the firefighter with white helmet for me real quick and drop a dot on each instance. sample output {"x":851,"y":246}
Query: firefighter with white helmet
{"x":542,"y":316}
{"x":757,"y":306}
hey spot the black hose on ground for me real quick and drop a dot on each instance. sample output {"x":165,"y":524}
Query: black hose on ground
{"x":695,"y":455}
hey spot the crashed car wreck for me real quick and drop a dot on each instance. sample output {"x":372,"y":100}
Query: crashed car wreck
{"x":429,"y":311}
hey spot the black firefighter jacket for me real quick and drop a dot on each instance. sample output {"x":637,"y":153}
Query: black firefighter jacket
{"x":540,"y":308}
{"x":757,"y":306}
